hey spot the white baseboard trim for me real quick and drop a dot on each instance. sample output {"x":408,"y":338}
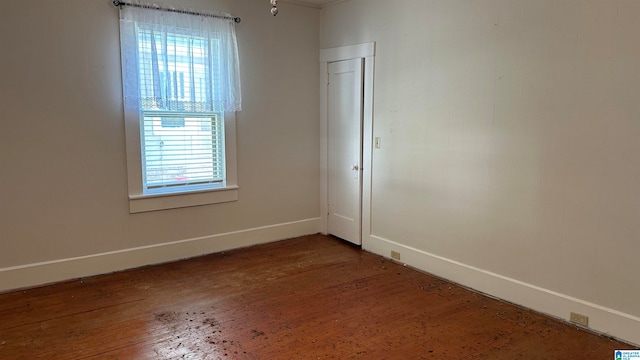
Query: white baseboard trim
{"x":601,"y":319}
{"x":30,"y":275}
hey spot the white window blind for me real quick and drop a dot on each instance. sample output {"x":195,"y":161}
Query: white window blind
{"x":181,"y":74}
{"x":183,"y":150}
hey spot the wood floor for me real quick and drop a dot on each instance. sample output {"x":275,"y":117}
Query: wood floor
{"x":307,"y":298}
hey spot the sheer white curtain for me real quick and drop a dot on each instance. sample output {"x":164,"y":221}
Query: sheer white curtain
{"x":179,"y":62}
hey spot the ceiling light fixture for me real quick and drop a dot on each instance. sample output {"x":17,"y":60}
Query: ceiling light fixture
{"x":274,"y":7}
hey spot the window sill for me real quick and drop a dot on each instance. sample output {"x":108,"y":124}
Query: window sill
{"x":154,"y":202}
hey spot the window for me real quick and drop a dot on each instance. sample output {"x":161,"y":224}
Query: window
{"x":182,"y":150}
{"x":181,"y":91}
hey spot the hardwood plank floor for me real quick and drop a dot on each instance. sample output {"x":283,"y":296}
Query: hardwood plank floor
{"x":313,"y":297}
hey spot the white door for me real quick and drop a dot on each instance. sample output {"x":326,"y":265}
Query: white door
{"x":344,"y":147}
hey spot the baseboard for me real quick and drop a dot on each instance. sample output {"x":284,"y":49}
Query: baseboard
{"x":65,"y":269}
{"x":601,"y":319}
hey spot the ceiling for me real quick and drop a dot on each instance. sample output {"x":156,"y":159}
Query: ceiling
{"x":313,"y":3}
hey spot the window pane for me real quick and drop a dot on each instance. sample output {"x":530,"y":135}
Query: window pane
{"x":176,"y":70}
{"x":181,"y":150}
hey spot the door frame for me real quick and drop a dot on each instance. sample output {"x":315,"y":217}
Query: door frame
{"x":367,"y":52}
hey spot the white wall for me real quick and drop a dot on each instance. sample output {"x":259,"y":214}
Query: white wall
{"x":63,"y":181}
{"x":510,"y":157}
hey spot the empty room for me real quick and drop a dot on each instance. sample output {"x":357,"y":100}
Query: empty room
{"x":187,"y":179}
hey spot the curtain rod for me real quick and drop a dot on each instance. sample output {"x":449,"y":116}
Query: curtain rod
{"x":122,"y":3}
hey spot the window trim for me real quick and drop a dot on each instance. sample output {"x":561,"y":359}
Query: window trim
{"x":141,"y":202}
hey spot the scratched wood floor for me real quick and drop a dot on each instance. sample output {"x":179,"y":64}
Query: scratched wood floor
{"x":307,"y":298}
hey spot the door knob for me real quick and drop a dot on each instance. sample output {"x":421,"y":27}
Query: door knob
{"x":355,"y":167}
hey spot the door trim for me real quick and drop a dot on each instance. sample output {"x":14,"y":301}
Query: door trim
{"x":364,"y":51}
